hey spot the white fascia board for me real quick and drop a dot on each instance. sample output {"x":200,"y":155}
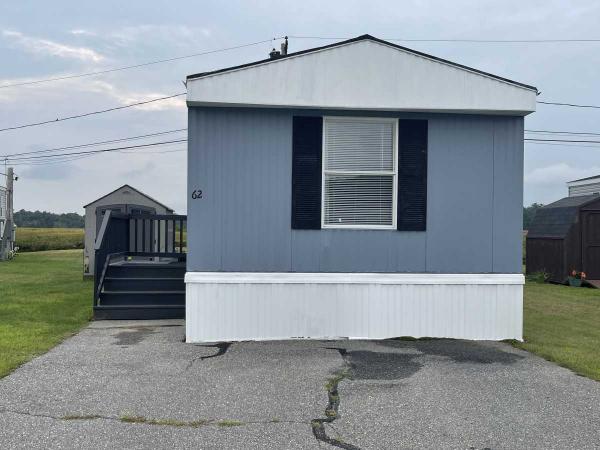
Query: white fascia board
{"x":583,"y":182}
{"x":353,"y":278}
{"x":363,"y":75}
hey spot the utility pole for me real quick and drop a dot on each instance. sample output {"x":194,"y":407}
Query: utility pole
{"x":7,"y":244}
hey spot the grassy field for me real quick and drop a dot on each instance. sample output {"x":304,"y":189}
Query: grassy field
{"x":43,"y":299}
{"x":39,"y":239}
{"x":562,"y":324}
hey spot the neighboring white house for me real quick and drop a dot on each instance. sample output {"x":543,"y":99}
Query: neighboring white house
{"x":584,"y":186}
{"x":126,"y":200}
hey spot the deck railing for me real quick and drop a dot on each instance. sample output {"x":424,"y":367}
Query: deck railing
{"x":137,"y":235}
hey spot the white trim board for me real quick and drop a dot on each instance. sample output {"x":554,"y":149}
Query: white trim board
{"x":353,"y":278}
{"x":269,"y":306}
{"x":594,"y":180}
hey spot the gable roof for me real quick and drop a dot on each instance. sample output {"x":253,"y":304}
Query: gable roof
{"x":358,"y":39}
{"x":569,"y":202}
{"x":364,"y":73}
{"x":584,"y":179}
{"x":556,"y":219}
{"x":133,"y":189}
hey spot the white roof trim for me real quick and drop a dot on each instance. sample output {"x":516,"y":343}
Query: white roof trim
{"x":362,"y":74}
{"x":593,"y":180}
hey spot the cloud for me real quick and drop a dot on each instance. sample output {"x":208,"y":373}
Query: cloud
{"x":82,"y":32}
{"x":49,"y":172}
{"x":47,"y":47}
{"x":125,"y":97}
{"x":175,"y":35}
{"x":556,"y":174}
{"x":144,"y":170}
{"x":86,"y":85}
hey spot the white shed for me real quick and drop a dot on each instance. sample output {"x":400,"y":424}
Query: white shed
{"x":126,"y":200}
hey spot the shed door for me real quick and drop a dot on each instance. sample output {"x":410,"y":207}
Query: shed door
{"x":591,"y":244}
{"x":100,"y":210}
{"x":138,"y":209}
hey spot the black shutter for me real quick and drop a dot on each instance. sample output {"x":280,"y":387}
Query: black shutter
{"x":412,"y":175}
{"x":307,"y":143}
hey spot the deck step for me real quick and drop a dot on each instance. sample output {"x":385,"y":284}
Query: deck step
{"x":142,"y":290}
{"x":144,"y":284}
{"x":137,"y":312}
{"x":142,"y":298}
{"x":146,"y":271}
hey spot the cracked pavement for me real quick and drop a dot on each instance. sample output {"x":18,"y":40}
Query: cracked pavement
{"x":136,"y":385}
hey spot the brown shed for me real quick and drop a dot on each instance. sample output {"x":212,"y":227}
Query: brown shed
{"x":565,"y":236}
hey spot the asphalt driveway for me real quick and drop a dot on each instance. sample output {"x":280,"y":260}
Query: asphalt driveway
{"x":137,"y":385}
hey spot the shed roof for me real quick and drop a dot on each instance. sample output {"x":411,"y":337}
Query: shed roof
{"x":133,"y":189}
{"x":555,"y":220}
{"x":361,"y":73}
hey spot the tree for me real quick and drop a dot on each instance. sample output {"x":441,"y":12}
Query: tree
{"x":529,"y":214}
{"x":44,"y":219}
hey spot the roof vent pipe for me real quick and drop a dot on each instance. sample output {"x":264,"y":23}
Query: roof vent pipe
{"x":284,"y":46}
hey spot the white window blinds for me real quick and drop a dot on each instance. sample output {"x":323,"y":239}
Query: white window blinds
{"x":359,"y":173}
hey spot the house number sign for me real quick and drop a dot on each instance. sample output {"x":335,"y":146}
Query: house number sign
{"x":197,"y":194}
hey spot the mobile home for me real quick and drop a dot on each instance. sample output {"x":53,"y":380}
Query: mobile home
{"x":355,"y":190}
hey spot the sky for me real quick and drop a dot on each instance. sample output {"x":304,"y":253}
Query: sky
{"x":41,"y":40}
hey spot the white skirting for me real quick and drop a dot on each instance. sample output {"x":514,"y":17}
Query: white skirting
{"x":231,"y":306}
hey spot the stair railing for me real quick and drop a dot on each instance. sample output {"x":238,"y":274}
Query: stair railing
{"x":137,"y":235}
{"x":113,"y":239}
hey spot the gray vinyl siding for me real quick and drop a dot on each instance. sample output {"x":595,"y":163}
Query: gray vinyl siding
{"x":241,"y":158}
{"x":586,"y":189}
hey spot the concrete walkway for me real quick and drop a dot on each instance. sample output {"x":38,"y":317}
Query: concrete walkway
{"x":137,"y":385}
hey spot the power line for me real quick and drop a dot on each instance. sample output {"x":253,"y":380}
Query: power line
{"x":569,"y":104}
{"x":561,"y":140}
{"x":134,"y":66}
{"x":562,"y":145}
{"x":563,"y":132}
{"x":483,"y":41}
{"x":16,"y":127}
{"x":52,"y":161}
{"x":125,"y":152}
{"x":177,"y":130}
{"x":152,"y":144}
{"x":65,"y":159}
{"x":92,"y":144}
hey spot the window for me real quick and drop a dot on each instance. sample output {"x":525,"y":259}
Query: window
{"x":359,"y":173}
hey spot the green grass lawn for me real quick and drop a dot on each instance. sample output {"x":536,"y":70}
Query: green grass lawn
{"x":562,"y":324}
{"x":39,"y":239}
{"x":43,"y":299}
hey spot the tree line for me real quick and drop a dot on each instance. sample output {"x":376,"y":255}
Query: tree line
{"x":44,"y":219}
{"x":529,"y":214}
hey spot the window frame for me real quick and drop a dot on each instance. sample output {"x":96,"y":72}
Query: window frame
{"x":393,"y":173}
